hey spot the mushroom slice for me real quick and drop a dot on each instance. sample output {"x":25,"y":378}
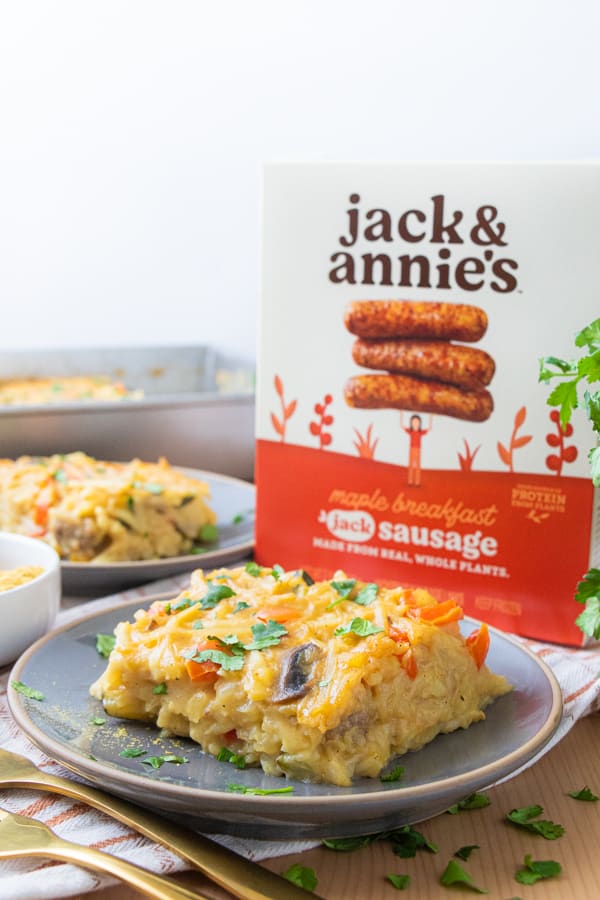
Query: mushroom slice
{"x":296,"y":673}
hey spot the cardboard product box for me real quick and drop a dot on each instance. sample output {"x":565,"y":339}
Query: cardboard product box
{"x":402,"y":433}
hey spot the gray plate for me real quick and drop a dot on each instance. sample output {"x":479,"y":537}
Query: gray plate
{"x":64,"y":664}
{"x":232,"y":500}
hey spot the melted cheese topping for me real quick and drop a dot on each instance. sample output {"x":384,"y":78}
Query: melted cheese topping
{"x":318,"y":681}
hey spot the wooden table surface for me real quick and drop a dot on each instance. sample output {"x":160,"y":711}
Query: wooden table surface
{"x":360,"y":875}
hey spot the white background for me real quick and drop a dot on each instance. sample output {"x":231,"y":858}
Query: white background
{"x":133,"y":135}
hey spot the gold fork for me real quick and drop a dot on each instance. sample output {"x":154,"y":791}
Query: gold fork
{"x":22,"y":836}
{"x":241,"y":877}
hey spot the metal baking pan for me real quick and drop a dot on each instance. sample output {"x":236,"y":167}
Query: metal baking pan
{"x":197,"y":408}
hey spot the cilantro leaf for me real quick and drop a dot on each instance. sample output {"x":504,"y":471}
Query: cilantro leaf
{"x":208,"y":534}
{"x":343,"y":588}
{"x":227,"y":755}
{"x":367,"y":595}
{"x":130,"y":752}
{"x":306,"y":578}
{"x":455,"y":874}
{"x":27,"y":691}
{"x":473,"y":801}
{"x":303,"y":876}
{"x":214,"y":595}
{"x":266,"y":635}
{"x":588,"y":592}
{"x":535,"y":870}
{"x":358,"y":626}
{"x":589,"y":336}
{"x":394,"y":775}
{"x":584,"y":794}
{"x":157,"y":761}
{"x":241,"y":604}
{"x":97,"y":720}
{"x":259,"y":792}
{"x":400,"y":882}
{"x":105,"y":644}
{"x":160,"y":688}
{"x":465,"y":852}
{"x":405,"y":842}
{"x":525,"y":817}
{"x":254,"y":569}
{"x":524,"y":813}
{"x":227,"y":662}
{"x":277,"y":571}
{"x":589,"y":619}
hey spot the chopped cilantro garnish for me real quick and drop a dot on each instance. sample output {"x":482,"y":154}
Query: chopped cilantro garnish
{"x":343,"y":589}
{"x":160,"y":688}
{"x":214,"y":594}
{"x":227,"y":662}
{"x":97,"y":720}
{"x":303,"y":876}
{"x":105,"y":644}
{"x":455,"y":874}
{"x":400,"y":882}
{"x":266,"y":635}
{"x":157,"y":761}
{"x":196,"y":550}
{"x":60,"y":476}
{"x":367,"y":594}
{"x":405,"y":841}
{"x":358,"y":626}
{"x":32,"y":693}
{"x":130,"y":503}
{"x":183,"y":603}
{"x":241,"y":604}
{"x":465,"y":852}
{"x":227,"y":755}
{"x":208,"y":534}
{"x":584,"y":794}
{"x":394,"y":775}
{"x":260,"y":792}
{"x":277,"y":571}
{"x":237,"y":519}
{"x":132,"y":752}
{"x":473,"y":801}
{"x":306,"y":578}
{"x":525,"y":817}
{"x":254,"y":569}
{"x":537,"y":869}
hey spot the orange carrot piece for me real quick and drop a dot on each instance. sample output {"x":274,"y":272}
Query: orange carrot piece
{"x":206,"y":672}
{"x":438,"y":613}
{"x":408,"y":662}
{"x":478,"y":643}
{"x":279,"y":614}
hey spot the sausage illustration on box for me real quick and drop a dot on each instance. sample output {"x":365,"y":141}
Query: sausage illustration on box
{"x":425,"y":371}
{"x":402,"y":433}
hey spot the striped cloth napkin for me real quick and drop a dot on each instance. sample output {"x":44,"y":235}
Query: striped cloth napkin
{"x":577,"y":671}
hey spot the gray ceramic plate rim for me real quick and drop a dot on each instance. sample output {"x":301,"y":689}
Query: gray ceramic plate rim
{"x":352,"y":809}
{"x":146,"y":567}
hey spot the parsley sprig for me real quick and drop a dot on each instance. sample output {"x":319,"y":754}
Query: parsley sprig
{"x":572,"y":374}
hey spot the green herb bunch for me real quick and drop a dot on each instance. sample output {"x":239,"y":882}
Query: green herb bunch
{"x":572,"y":375}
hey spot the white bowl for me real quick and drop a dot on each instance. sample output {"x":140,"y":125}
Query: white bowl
{"x":28,"y":611}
